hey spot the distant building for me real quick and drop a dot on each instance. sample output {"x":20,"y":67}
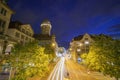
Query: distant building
{"x":17,"y":33}
{"x":22,"y":33}
{"x":80,"y":45}
{"x":5,"y":15}
{"x":45,"y":38}
{"x":46,"y":27}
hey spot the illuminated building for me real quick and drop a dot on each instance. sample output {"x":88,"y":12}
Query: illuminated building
{"x":22,"y":33}
{"x":5,"y":15}
{"x":45,"y":38}
{"x":80,"y":45}
{"x":46,"y":27}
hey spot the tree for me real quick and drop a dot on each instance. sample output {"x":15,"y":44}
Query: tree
{"x":50,"y":51}
{"x":104,"y":56}
{"x":29,"y":61}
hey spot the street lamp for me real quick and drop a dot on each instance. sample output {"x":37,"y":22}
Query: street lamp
{"x":53,"y":44}
{"x":70,"y":49}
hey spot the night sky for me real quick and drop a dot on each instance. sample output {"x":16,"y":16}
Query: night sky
{"x":69,"y":18}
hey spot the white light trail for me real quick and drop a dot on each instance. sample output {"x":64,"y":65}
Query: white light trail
{"x":57,"y":73}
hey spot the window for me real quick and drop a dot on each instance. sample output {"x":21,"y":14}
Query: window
{"x":17,"y":34}
{"x":26,"y":38}
{"x":30,"y":34}
{"x":23,"y":30}
{"x":31,"y":40}
{"x":3,"y":12}
{"x":86,"y":38}
{"x":2,"y":26}
{"x":22,"y":36}
{"x":27,"y":32}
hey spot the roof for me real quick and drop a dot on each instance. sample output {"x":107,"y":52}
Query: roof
{"x":42,"y":37}
{"x":27,"y":27}
{"x":93,"y":37}
{"x":46,"y":21}
{"x":79,"y":37}
{"x":15,"y":24}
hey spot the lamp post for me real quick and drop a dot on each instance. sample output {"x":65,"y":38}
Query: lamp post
{"x":86,"y":43}
{"x":78,"y":54}
{"x":78,"y":51}
{"x":70,"y":49}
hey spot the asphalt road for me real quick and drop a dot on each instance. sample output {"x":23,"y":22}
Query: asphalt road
{"x":79,"y":72}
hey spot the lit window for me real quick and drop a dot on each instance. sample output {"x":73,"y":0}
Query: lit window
{"x":86,"y":42}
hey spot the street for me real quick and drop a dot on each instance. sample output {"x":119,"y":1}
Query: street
{"x":67,"y":69}
{"x":57,"y":73}
{"x":79,"y":72}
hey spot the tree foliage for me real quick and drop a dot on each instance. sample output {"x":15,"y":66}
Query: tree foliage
{"x":29,"y":60}
{"x":50,"y":51}
{"x":104,"y":56}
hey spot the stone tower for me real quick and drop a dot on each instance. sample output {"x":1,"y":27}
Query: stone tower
{"x":46,"y":27}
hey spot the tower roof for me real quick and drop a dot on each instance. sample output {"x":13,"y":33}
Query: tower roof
{"x":46,"y":22}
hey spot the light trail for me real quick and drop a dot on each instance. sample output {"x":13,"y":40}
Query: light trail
{"x":63,"y":60}
{"x":57,"y":73}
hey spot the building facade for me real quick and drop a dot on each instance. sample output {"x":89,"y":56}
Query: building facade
{"x":80,"y":45}
{"x":22,"y":33}
{"x":11,"y":33}
{"x":5,"y":15}
{"x":46,"y":27}
{"x":17,"y":33}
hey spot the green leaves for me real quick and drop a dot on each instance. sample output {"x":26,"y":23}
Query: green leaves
{"x":30,"y":60}
{"x":104,"y":56}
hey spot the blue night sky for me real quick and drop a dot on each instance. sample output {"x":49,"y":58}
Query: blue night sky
{"x":69,"y":18}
